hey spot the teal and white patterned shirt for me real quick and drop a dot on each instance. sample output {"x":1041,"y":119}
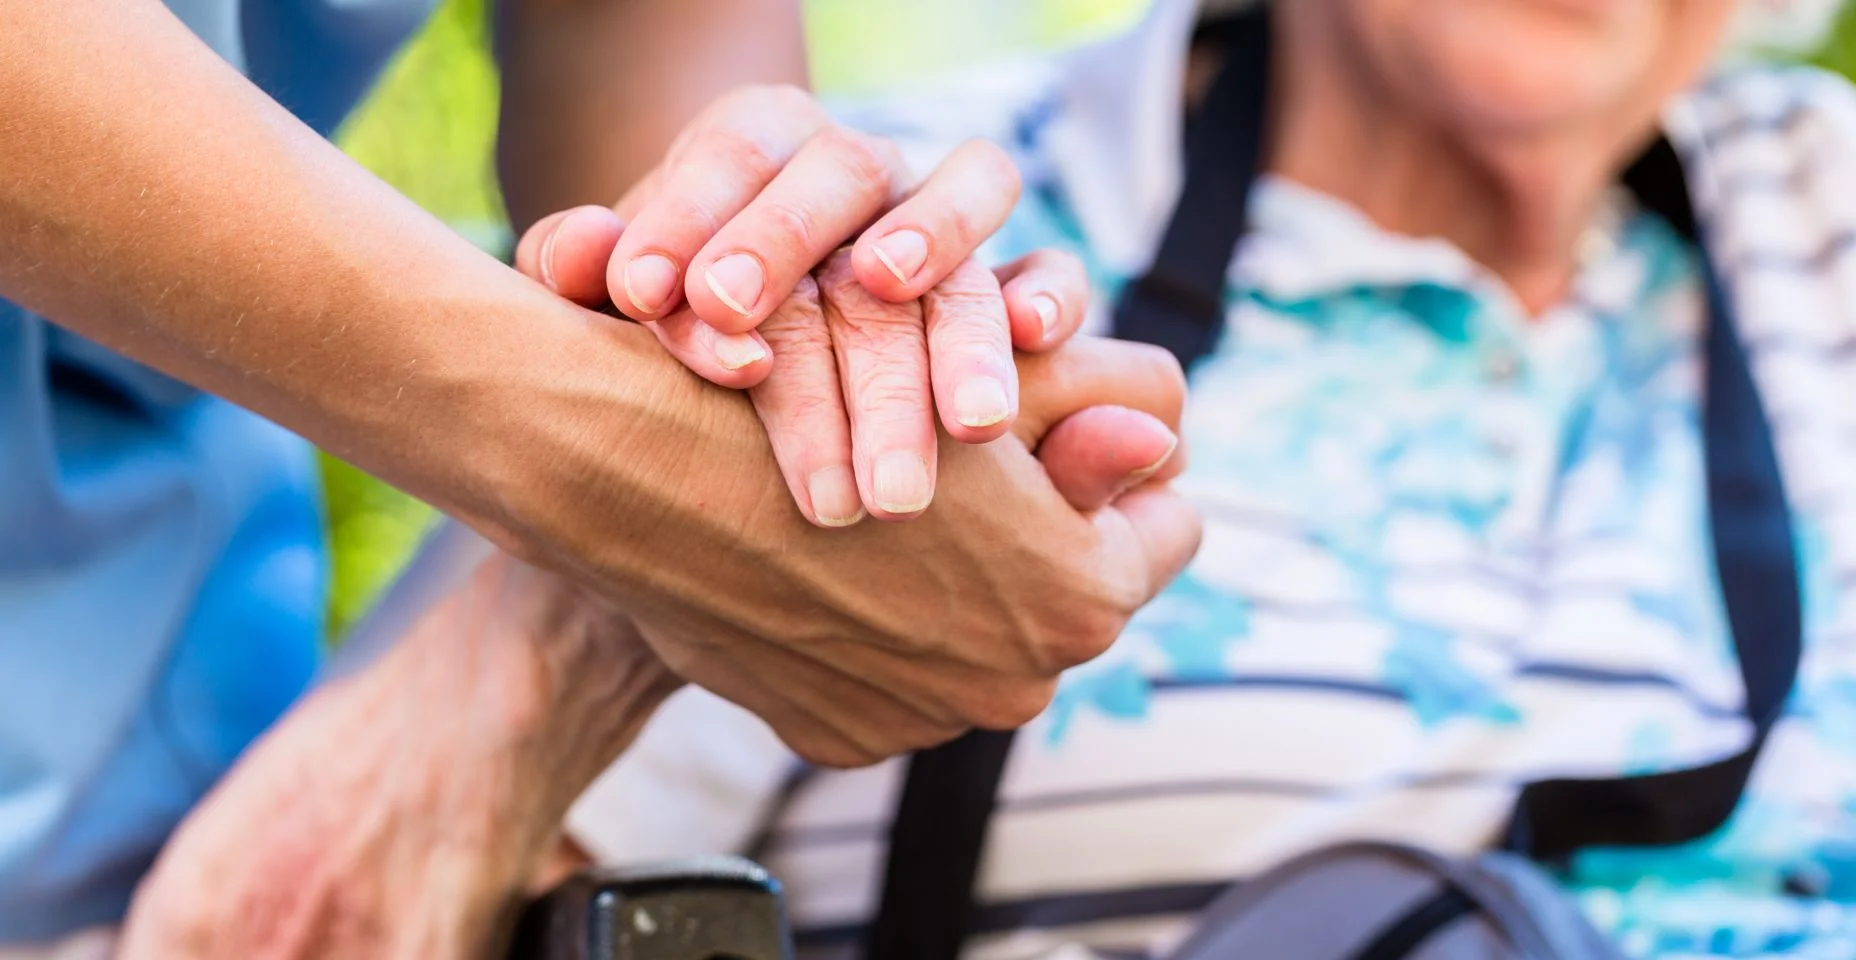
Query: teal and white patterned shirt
{"x":1450,"y":549}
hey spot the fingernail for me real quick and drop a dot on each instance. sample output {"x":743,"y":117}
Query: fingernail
{"x":547,"y":255}
{"x":649,"y":282}
{"x":1153,"y":468}
{"x":737,"y":350}
{"x":834,"y":497}
{"x":1046,"y":306}
{"x":981,"y":402}
{"x":903,"y":252}
{"x":901,"y":483}
{"x":736,"y":280}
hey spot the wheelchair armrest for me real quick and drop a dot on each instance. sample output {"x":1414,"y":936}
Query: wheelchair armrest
{"x":720,"y":908}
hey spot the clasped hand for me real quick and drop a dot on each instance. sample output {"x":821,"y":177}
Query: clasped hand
{"x":400,"y":812}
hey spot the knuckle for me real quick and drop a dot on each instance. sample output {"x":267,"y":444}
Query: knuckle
{"x":788,"y":226}
{"x":783,"y":98}
{"x":1091,"y":622}
{"x":1160,"y":360}
{"x":971,"y":318}
{"x":1173,"y":379}
{"x":755,"y":101}
{"x":814,"y":411}
{"x":921,"y":733}
{"x":739,"y":150}
{"x":837,"y":280}
{"x":861,"y":158}
{"x":800,"y":317}
{"x":833,"y":753}
{"x":889,"y":396}
{"x":969,"y":282}
{"x":873,"y":324}
{"x":895,"y":165}
{"x":797,"y":331}
{"x":805,"y":293}
{"x":1010,"y":704}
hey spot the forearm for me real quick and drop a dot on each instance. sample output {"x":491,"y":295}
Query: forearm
{"x":594,"y":91}
{"x":153,"y":200}
{"x":511,"y":696}
{"x":402,"y":811}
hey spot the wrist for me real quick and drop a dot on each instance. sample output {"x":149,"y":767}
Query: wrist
{"x":604,"y":458}
{"x":540,"y":684}
{"x":536,"y":405}
{"x":497,"y":712}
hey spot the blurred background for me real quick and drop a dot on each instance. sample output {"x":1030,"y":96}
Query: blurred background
{"x":429,"y":128}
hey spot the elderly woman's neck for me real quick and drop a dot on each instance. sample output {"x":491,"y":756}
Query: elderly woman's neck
{"x":1516,"y":205}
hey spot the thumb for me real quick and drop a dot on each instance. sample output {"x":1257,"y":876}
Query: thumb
{"x":567,"y":252}
{"x":1095,"y":455}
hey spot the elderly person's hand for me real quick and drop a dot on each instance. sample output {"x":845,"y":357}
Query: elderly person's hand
{"x":1062,"y":527}
{"x":400,"y":812}
{"x":763,"y":186}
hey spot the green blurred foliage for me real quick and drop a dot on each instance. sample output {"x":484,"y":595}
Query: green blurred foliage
{"x":1839,"y":50}
{"x":860,"y":44}
{"x":430,"y":127}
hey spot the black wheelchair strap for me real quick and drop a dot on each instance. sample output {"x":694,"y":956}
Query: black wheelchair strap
{"x":950,"y":792}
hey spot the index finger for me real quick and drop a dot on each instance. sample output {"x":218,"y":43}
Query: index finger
{"x":722,"y":163}
{"x":957,"y":208}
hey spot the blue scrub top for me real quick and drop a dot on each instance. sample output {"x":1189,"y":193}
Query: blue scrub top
{"x":162,"y":565}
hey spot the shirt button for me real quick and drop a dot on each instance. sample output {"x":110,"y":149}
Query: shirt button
{"x":1595,"y":246}
{"x":1810,"y":881}
{"x":1503,"y":366}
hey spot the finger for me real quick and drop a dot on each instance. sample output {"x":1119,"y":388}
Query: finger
{"x":730,"y":154}
{"x":1046,"y":298}
{"x":801,"y":403}
{"x":641,"y":193}
{"x":528,"y":249}
{"x":918,"y":244}
{"x":835,"y":185}
{"x":883,"y":372}
{"x":970,"y":355}
{"x":733,"y":360}
{"x":1102,"y":452}
{"x":1155,"y":532}
{"x":568,"y":252}
{"x":1092,"y":372}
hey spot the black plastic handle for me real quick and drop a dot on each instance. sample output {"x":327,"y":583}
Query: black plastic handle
{"x":721,"y":908}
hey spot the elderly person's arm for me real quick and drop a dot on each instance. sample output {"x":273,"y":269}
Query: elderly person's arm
{"x":400,"y":812}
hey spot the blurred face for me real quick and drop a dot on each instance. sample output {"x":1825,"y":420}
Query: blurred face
{"x":1526,"y":67}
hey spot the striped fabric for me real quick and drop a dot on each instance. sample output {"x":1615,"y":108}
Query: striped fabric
{"x":1449,"y":549}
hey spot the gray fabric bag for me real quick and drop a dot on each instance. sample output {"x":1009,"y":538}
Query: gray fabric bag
{"x":1385,"y":901}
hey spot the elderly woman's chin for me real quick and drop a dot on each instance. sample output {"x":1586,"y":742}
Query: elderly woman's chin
{"x":1537,"y":66}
